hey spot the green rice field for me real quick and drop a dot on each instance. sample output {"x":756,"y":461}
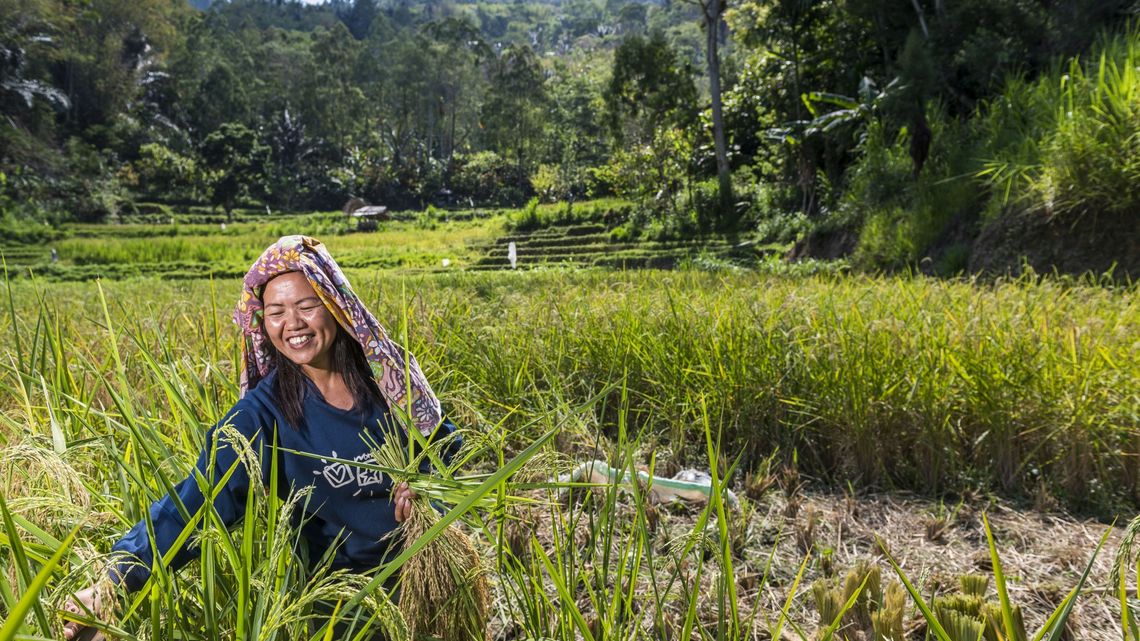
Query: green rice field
{"x":818,"y":400}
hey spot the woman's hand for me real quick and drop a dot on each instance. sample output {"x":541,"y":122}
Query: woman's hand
{"x":88,"y":601}
{"x":403,"y":496}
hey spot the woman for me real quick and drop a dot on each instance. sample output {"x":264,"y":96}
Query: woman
{"x":319,"y":374}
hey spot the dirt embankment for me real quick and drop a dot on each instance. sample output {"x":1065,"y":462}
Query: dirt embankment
{"x":1077,"y":242}
{"x":1069,"y":243}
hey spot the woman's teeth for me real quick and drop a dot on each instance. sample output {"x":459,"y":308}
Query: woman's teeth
{"x":298,"y":341}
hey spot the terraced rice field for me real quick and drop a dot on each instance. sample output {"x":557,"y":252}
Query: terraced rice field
{"x":591,"y":245}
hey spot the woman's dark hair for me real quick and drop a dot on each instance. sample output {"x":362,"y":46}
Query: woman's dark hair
{"x":347,"y":358}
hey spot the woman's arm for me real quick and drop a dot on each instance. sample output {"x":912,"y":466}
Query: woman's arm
{"x":217,"y":460}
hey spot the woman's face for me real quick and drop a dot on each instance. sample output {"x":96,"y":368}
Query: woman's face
{"x":297,"y":322}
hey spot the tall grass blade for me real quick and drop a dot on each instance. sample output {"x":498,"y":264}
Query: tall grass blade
{"x":1055,"y":625}
{"x":569,"y":605}
{"x":1127,"y":625}
{"x":31,"y":598}
{"x":791,"y":597}
{"x":21,"y":560}
{"x":460,"y":509}
{"x":932,"y":624}
{"x":999,"y":582}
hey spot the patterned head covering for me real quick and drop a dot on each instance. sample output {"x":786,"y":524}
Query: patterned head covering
{"x":309,"y":256}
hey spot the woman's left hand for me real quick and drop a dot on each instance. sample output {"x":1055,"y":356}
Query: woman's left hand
{"x":403,"y":496}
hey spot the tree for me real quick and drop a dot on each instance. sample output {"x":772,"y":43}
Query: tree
{"x":576,"y":135}
{"x":330,"y":97}
{"x":359,"y":18}
{"x":220,"y":99}
{"x":712,"y":12}
{"x":290,"y":150}
{"x":14,"y":80}
{"x":163,"y":173}
{"x":461,"y":52}
{"x":104,"y":57}
{"x":235,"y":161}
{"x":651,"y":88}
{"x":797,"y":46}
{"x":651,"y":104}
{"x":514,"y":112}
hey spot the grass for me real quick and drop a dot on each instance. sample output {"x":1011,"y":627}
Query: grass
{"x":574,"y":235}
{"x":1066,"y":143}
{"x":898,"y":382}
{"x":199,"y":251}
{"x":1060,"y":145}
{"x":892,"y":383}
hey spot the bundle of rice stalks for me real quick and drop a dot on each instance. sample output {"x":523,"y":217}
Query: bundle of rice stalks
{"x":444,"y":589}
{"x":445,"y":592}
{"x":861,"y":601}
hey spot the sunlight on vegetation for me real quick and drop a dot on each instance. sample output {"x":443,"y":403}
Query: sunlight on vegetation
{"x":885,"y":305}
{"x":900,"y":382}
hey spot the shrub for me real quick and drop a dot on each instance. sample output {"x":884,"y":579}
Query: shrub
{"x":904,"y":217}
{"x":526,"y":218}
{"x":546,"y":183}
{"x":26,"y":231}
{"x":1067,"y":141}
{"x":164,"y":173}
{"x":486,"y":178}
{"x":428,"y":218}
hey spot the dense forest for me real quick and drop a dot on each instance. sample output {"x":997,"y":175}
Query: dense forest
{"x":932,"y":134}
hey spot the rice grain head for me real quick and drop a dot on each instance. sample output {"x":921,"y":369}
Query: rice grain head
{"x":445,"y":592}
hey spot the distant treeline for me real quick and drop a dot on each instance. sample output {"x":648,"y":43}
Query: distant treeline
{"x":894,"y":130}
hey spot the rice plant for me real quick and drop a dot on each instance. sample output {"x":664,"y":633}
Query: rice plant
{"x":967,"y":616}
{"x":885,"y":382}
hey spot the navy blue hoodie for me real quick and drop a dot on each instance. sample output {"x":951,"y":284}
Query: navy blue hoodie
{"x":349,"y":507}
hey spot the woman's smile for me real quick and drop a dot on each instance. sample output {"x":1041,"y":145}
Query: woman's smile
{"x":299,"y":341}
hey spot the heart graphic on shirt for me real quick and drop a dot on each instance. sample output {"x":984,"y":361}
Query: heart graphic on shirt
{"x":338,"y":474}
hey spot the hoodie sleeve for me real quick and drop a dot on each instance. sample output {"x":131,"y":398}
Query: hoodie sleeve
{"x":218,"y":456}
{"x":446,"y":429}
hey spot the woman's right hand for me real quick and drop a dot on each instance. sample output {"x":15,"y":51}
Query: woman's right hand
{"x":88,"y":601}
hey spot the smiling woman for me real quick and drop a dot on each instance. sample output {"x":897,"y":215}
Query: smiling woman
{"x":297,"y":322}
{"x":320,"y":377}
{"x":310,"y":345}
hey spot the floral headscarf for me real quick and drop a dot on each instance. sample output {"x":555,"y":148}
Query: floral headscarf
{"x":309,"y":256}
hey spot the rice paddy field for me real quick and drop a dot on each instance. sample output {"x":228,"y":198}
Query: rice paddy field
{"x":187,"y":248}
{"x":911,"y":458}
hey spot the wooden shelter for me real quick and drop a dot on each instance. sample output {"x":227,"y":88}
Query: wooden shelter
{"x":367,"y":216}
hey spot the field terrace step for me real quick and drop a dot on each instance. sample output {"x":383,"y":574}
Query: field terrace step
{"x":534,"y":260}
{"x":592,"y":244}
{"x":571,"y":230}
{"x":524,"y":252}
{"x":633,"y":261}
{"x":552,"y":241}
{"x":633,"y":257}
{"x":25,"y":254}
{"x":660,"y":261}
{"x":604,"y":239}
{"x":611,"y":245}
{"x":553,"y":232}
{"x":608,"y":248}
